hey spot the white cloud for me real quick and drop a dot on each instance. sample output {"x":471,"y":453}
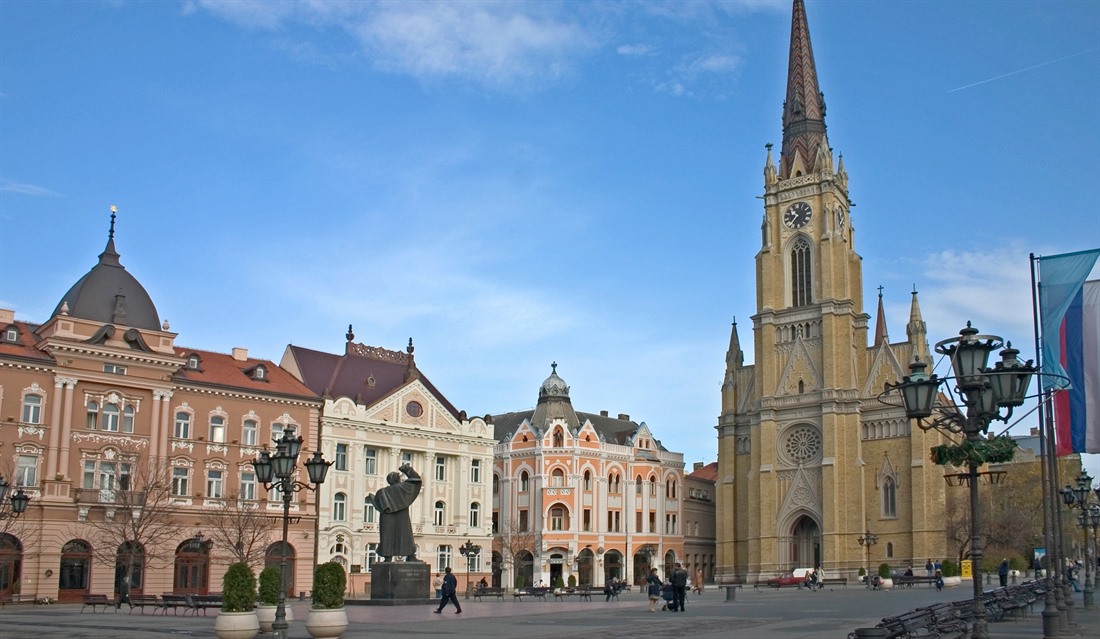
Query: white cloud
{"x":27,"y":189}
{"x":633,"y":49}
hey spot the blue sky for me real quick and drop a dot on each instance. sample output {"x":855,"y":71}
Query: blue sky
{"x":512,"y":184}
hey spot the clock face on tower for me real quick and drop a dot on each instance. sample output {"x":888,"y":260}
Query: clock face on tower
{"x":797,"y":215}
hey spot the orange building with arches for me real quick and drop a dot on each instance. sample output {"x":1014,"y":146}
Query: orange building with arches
{"x":579,"y":498}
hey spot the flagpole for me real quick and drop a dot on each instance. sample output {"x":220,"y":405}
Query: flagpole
{"x":1051,"y":615}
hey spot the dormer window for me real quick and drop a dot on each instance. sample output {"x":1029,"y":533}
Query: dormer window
{"x":193,"y":362}
{"x":259,"y":372}
{"x":11,"y":334}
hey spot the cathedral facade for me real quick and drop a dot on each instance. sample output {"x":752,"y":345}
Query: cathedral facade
{"x":809,"y":460}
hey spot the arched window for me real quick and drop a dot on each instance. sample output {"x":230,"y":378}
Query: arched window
{"x":588,"y":480}
{"x":273,"y":557}
{"x":130,"y":567}
{"x":557,"y":478}
{"x":475,"y":515}
{"x":440,"y":513}
{"x":92,"y":419}
{"x":889,"y":498}
{"x":183,"y":426}
{"x":889,"y":550}
{"x":524,"y":478}
{"x":76,"y":569}
{"x":559,"y":518}
{"x":652,"y":485}
{"x":800,"y":273}
{"x":217,"y":428}
{"x":339,"y":507}
{"x":248,"y":432}
{"x":192,"y":568}
{"x":559,"y":439}
{"x":32,"y":409}
{"x":638,"y":485}
{"x":109,"y":421}
{"x":496,"y":484}
{"x":128,"y":419}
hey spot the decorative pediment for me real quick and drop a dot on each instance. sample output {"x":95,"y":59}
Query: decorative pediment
{"x":799,"y":368}
{"x":885,"y":367}
{"x":802,"y":495}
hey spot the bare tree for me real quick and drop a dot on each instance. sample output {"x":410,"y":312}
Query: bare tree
{"x":514,"y":538}
{"x":240,"y":529}
{"x":131,"y":523}
{"x":956,"y":521}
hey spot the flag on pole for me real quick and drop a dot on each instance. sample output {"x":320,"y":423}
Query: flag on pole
{"x":1060,"y":279}
{"x":1077,"y":409}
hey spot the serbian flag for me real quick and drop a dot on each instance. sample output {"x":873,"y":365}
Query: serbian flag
{"x":1068,"y":348}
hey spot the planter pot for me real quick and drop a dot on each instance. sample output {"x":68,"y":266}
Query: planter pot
{"x":887,"y":584}
{"x":266,"y":614}
{"x":952,"y":582}
{"x":236,"y":625}
{"x":327,"y":623}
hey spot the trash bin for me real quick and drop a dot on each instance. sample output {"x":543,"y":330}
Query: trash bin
{"x":731,"y":593}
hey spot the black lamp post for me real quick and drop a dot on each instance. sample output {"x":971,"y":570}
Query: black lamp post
{"x":866,"y":540}
{"x":19,"y":500}
{"x":1079,"y":498}
{"x":984,"y":392}
{"x":469,"y":551}
{"x":277,"y":471}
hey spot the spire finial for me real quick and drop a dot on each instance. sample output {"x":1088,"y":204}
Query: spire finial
{"x":409,"y":348}
{"x":880,"y":291}
{"x":114,"y":212}
{"x":350,"y":335}
{"x":553,"y":367}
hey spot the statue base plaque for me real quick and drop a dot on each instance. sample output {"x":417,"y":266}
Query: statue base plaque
{"x":404,"y":583}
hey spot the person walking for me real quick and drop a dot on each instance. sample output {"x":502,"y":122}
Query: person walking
{"x":679,"y":580}
{"x":654,"y":583}
{"x":697,"y":584}
{"x":930,"y":568}
{"x":450,"y":586}
{"x":1002,"y":573}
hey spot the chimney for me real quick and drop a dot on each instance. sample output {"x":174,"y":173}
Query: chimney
{"x":624,"y":417}
{"x":603,"y":413}
{"x":240,"y":354}
{"x":697,"y":466}
{"x":6,"y":316}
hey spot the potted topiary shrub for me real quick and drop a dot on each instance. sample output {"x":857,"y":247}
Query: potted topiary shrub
{"x":327,"y":617}
{"x":269,"y":598}
{"x":887,"y":580}
{"x":237,"y":619}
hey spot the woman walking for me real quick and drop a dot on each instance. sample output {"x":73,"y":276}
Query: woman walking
{"x":654,"y":583}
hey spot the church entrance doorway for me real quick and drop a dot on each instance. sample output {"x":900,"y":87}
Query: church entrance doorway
{"x":805,"y":544}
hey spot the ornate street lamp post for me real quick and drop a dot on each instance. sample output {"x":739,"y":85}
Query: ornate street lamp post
{"x":866,"y":540}
{"x":984,"y":392}
{"x":469,"y":551}
{"x":277,"y":471}
{"x":19,"y":500}
{"x":1079,"y":498}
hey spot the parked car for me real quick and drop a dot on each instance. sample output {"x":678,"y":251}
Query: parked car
{"x":786,"y":579}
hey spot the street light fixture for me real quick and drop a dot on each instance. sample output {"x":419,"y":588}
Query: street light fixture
{"x":1079,"y":498}
{"x":19,"y":500}
{"x":469,"y":550}
{"x":985,"y":392}
{"x":866,"y":540}
{"x":277,"y":471}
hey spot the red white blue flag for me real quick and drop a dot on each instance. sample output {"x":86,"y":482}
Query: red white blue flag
{"x":1070,"y":339}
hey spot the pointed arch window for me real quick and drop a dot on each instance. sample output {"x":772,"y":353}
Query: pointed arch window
{"x":889,"y":498}
{"x":800,"y":273}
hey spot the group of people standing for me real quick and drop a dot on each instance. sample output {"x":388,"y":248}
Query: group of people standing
{"x":677,"y":585}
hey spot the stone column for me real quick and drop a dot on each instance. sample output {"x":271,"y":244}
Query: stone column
{"x":55,"y":428}
{"x":66,"y":427}
{"x":165,"y":413}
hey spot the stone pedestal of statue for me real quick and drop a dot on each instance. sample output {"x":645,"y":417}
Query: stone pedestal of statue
{"x":400,"y":583}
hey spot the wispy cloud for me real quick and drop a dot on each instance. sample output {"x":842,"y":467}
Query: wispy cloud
{"x":27,"y":189}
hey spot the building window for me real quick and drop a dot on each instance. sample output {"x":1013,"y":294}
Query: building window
{"x":587,"y":480}
{"x":248,"y":432}
{"x":889,"y":550}
{"x":524,"y":479}
{"x":889,"y":498}
{"x":440,"y":468}
{"x":443,"y":558}
{"x":652,"y":522}
{"x":193,"y":362}
{"x":114,"y":369}
{"x":106,"y":475}
{"x":800,"y":273}
{"x":475,"y":515}
{"x":475,"y":471}
{"x":587,"y":520}
{"x":341,"y":456}
{"x":109,"y":419}
{"x":32,"y":409}
{"x":614,"y":521}
{"x":557,"y":518}
{"x":440,"y":513}
{"x":496,"y":523}
{"x":92,"y":419}
{"x":26,"y":470}
{"x":183,"y":426}
{"x":414,"y":409}
{"x":557,"y":478}
{"x":370,"y":515}
{"x":339,"y":507}
{"x":613,"y":484}
{"x":370,"y":466}
{"x":259,"y":372}
{"x":248,"y":486}
{"x":406,"y":457}
{"x":372,"y":555}
{"x":128,"y":419}
{"x":217,"y":429}
{"x":179,"y":482}
{"x":523,"y":521}
{"x":638,"y":483}
{"x":214,"y":484}
{"x":496,"y":484}
{"x":11,"y":335}
{"x":277,"y":431}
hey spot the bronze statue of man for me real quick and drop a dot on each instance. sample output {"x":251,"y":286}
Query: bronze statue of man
{"x":395,"y":536}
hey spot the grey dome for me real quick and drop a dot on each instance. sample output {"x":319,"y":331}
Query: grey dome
{"x":554,"y":386}
{"x":109,"y":294}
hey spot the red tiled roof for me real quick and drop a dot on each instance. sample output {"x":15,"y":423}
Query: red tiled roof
{"x":220,"y":369}
{"x":24,"y":348}
{"x":708,"y":472}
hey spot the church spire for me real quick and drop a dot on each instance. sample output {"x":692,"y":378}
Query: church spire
{"x":735,"y":357}
{"x":917,"y":330}
{"x":735,"y":360}
{"x":804,"y":108}
{"x":881,"y":335}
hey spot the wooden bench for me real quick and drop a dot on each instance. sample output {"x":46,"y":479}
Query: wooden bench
{"x":908,"y":624}
{"x":519,"y":593}
{"x":909,"y":580}
{"x":173,"y":601}
{"x":489,"y":592}
{"x":195,"y":603}
{"x":97,"y":600}
{"x":833,"y":581}
{"x":140,"y":601}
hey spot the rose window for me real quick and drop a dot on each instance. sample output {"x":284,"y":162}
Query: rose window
{"x":803,"y":444}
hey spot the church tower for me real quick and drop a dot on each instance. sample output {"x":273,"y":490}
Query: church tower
{"x":807,"y":454}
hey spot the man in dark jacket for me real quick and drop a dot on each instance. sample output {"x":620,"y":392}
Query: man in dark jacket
{"x":450,"y":586}
{"x":679,"y":578}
